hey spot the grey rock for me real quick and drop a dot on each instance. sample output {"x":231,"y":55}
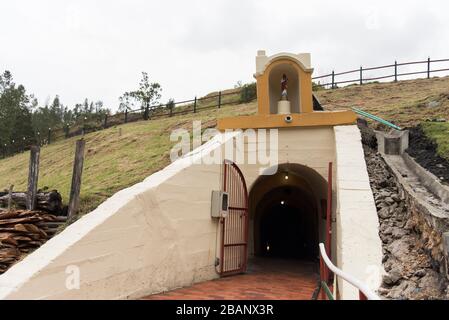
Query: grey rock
{"x":420,"y":273}
{"x":394,"y":276}
{"x":398,"y":233}
{"x":399,"y":249}
{"x":389,"y":200}
{"x":398,"y":291}
{"x":411,"y":290}
{"x":430,"y":280}
{"x":395,"y":197}
{"x":384,"y":194}
{"x":384,"y":213}
{"x":388,"y":231}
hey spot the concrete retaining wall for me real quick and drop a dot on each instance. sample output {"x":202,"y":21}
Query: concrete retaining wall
{"x":151,"y":237}
{"x":158,"y":235}
{"x":359,"y":248}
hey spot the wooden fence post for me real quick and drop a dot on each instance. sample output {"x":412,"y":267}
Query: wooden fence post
{"x":33,"y":176}
{"x":395,"y":71}
{"x":428,"y":68}
{"x":76,"y":178}
{"x":194,"y":106}
{"x":105,"y":121}
{"x":333,"y":79}
{"x":49,"y":135}
{"x":361,"y":75}
{"x":219,"y":100}
{"x":126,"y":116}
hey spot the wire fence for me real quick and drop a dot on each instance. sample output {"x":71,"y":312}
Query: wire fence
{"x":364,"y":75}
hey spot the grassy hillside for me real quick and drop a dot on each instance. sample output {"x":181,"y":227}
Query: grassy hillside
{"x":405,"y":103}
{"x":124,"y":155}
{"x":116,"y":158}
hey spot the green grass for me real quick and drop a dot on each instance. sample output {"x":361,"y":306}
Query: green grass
{"x":121,"y":156}
{"x":115,"y":158}
{"x":405,"y":103}
{"x":438,"y":132}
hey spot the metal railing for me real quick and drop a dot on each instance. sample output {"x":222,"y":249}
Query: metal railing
{"x":326,"y":266}
{"x":394,"y":73}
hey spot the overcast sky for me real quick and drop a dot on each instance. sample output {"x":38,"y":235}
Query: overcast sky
{"x":97,"y":49}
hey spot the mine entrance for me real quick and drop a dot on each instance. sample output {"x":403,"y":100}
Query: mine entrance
{"x":286,"y":226}
{"x":286,"y":214}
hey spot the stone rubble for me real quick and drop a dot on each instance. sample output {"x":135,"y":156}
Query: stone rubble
{"x":411,"y":271}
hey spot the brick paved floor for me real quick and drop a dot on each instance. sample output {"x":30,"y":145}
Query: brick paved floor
{"x":266,"y":279}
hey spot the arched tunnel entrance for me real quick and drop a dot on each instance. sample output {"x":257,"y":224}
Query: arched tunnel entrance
{"x":286,"y":226}
{"x":287,"y":213}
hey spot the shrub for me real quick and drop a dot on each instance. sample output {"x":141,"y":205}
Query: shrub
{"x":248,"y":92}
{"x":170,"y":105}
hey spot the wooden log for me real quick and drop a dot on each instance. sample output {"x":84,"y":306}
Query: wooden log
{"x":10,"y":197}
{"x":22,"y":231}
{"x":46,"y":201}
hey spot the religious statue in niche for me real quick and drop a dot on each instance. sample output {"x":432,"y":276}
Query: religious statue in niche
{"x":284,"y":105}
{"x":284,"y":86}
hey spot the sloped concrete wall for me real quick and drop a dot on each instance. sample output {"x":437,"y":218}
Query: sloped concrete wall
{"x":158,"y":235}
{"x":359,"y":248}
{"x":151,"y":237}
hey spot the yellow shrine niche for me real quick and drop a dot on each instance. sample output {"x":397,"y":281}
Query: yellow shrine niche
{"x":289,"y":103}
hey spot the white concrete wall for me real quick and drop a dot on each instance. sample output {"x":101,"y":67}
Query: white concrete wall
{"x":158,"y":235}
{"x":151,"y":237}
{"x":359,"y":248}
{"x":311,"y":147}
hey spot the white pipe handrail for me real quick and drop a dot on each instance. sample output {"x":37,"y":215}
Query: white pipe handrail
{"x":370,"y":295}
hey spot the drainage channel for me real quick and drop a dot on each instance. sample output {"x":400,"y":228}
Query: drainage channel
{"x":412,"y":222}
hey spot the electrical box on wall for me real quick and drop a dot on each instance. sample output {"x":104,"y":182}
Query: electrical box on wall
{"x":219,"y":204}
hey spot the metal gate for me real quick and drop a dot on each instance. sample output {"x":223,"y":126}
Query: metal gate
{"x":234,"y":228}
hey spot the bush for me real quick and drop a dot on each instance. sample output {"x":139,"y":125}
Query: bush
{"x":170,"y":105}
{"x":248,"y":92}
{"x":317,"y":86}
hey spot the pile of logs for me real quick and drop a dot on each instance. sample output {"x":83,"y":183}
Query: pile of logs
{"x":23,"y":231}
{"x":46,"y":201}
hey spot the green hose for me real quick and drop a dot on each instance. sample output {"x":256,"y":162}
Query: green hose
{"x":376,"y":118}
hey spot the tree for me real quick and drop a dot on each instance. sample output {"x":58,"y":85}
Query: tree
{"x":16,"y":130}
{"x":126,"y":102}
{"x":170,"y":105}
{"x":148,"y":95}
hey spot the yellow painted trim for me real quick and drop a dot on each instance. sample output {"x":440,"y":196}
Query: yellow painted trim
{"x":305,"y":86}
{"x":317,"y":118}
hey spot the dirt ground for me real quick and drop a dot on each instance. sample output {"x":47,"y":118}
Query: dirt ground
{"x":424,"y":151}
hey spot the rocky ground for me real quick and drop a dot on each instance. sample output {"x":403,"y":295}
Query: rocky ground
{"x":411,"y":272}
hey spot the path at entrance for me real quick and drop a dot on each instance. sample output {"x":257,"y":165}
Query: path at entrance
{"x":266,"y":279}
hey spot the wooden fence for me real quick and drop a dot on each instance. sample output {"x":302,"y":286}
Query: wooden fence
{"x":327,"y":81}
{"x":330,"y":80}
{"x":97,"y":122}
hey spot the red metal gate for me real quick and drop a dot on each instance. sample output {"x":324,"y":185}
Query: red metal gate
{"x":234,"y":228}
